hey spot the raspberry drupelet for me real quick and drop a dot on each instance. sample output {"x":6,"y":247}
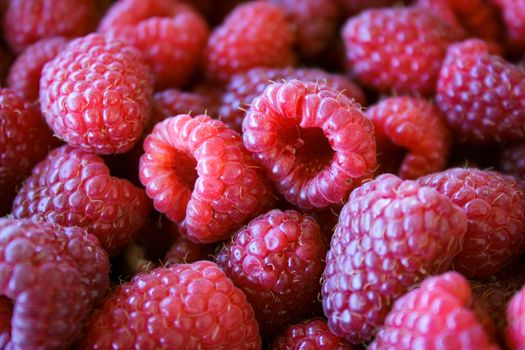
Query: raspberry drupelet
{"x":515,"y":332}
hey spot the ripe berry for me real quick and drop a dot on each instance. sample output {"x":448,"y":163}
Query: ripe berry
{"x":184,"y":251}
{"x":515,"y":333}
{"x":513,"y":13}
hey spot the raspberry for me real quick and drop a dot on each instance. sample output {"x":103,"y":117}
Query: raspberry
{"x":72,"y":187}
{"x":51,"y":276}
{"x":515,"y":333}
{"x":199,"y":174}
{"x":28,"y":21}
{"x":24,"y":75}
{"x":482,"y":95}
{"x":276,"y":261}
{"x":513,"y":13}
{"x":495,"y":208}
{"x":256,"y":34}
{"x":244,"y":87}
{"x":315,"y":143}
{"x":416,"y":125}
{"x":397,"y":49}
{"x":310,"y":334}
{"x":512,"y":160}
{"x":185,"y":306}
{"x":436,"y":315}
{"x":24,"y":141}
{"x":95,"y":94}
{"x":390,"y":235}
{"x":184,"y":251}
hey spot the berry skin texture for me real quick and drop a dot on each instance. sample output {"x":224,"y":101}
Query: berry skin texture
{"x":95,"y":94}
{"x":482,"y":95}
{"x":396,"y":50}
{"x":495,"y":208}
{"x":199,"y":174}
{"x":310,"y":334}
{"x":256,"y":34}
{"x":413,"y":124}
{"x":391,"y":234}
{"x":315,"y":143}
{"x":436,"y":315}
{"x":185,"y":306}
{"x":513,"y":13}
{"x":277,"y":261}
{"x":24,"y":75}
{"x":512,"y":160}
{"x":51,"y":276}
{"x":72,"y":187}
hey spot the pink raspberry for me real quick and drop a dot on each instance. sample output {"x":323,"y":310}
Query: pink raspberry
{"x":436,"y":315}
{"x":185,"y":306}
{"x":256,"y":34}
{"x":412,"y":126}
{"x":315,"y":143}
{"x":391,"y":234}
{"x":513,"y":13}
{"x":515,"y":332}
{"x":72,"y":187}
{"x":95,"y":94}
{"x":199,"y":174}
{"x":512,"y":160}
{"x":276,"y":261}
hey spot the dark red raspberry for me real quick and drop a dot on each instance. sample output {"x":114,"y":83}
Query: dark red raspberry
{"x":315,"y":143}
{"x":28,"y":21}
{"x":96,"y":94}
{"x":24,"y":141}
{"x":256,"y":34}
{"x":482,"y":95}
{"x":24,"y":75}
{"x":513,"y":13}
{"x":199,"y":174}
{"x":310,"y":334}
{"x":391,"y":234}
{"x":244,"y":87}
{"x":436,"y":315}
{"x":397,"y":49}
{"x":184,"y":251}
{"x":72,"y":187}
{"x":51,"y":276}
{"x":495,"y":208}
{"x":512,"y":160}
{"x":276,"y":261}
{"x":515,"y":332}
{"x":355,"y":6}
{"x":185,"y":306}
{"x":415,"y":125}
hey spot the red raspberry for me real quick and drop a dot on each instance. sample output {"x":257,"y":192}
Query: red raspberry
{"x":415,"y":125}
{"x":28,"y":21}
{"x":391,"y":234}
{"x":512,"y":160}
{"x":513,"y":13}
{"x":495,"y":208}
{"x":185,"y":306}
{"x":310,"y":334}
{"x":355,"y":6}
{"x":256,"y":34}
{"x":24,"y":141}
{"x":95,"y":94}
{"x":397,"y":49}
{"x":72,"y":187}
{"x":315,"y":143}
{"x":482,"y":95}
{"x":244,"y":87}
{"x":436,"y":315}
{"x":199,"y":174}
{"x":276,"y":261}
{"x":515,"y":333}
{"x":24,"y":75}
{"x":184,"y":251}
{"x":51,"y":276}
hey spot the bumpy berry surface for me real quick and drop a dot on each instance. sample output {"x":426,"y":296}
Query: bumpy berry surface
{"x":397,"y":49}
{"x":24,"y":75}
{"x":436,"y":315}
{"x":391,"y":234}
{"x":512,"y":160}
{"x":72,"y":187}
{"x":276,"y":261}
{"x":51,"y":276}
{"x":482,"y":95}
{"x":415,"y":125}
{"x":256,"y":34}
{"x":95,"y":94}
{"x":513,"y":13}
{"x":244,"y":87}
{"x":185,"y":306}
{"x":199,"y":174}
{"x":495,"y":208}
{"x":314,"y":142}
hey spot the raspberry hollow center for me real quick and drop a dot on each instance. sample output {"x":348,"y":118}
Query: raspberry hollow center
{"x":185,"y":167}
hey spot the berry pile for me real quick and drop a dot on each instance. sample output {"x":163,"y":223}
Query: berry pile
{"x":262,"y":174}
